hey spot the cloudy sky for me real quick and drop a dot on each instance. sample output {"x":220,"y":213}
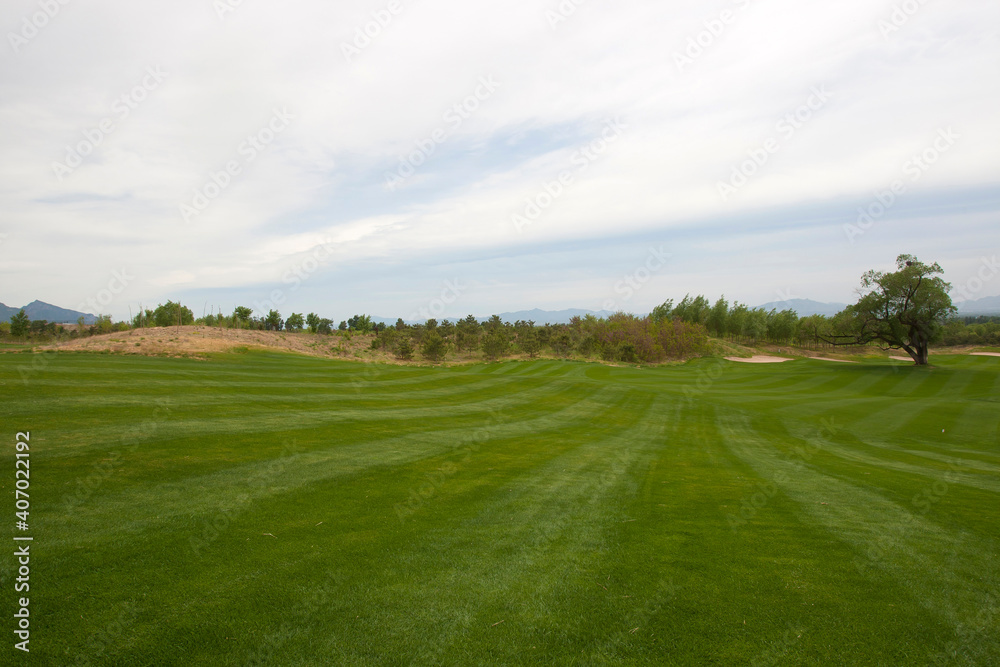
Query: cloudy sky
{"x":396,"y":157}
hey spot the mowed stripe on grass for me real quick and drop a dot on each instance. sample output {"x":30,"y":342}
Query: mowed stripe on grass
{"x":267,"y":508}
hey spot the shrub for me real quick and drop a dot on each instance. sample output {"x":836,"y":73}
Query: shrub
{"x":403,"y":350}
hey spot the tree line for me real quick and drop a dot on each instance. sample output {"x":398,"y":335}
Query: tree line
{"x":907,"y":309}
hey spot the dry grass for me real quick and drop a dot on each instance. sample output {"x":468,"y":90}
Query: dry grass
{"x":199,"y":341}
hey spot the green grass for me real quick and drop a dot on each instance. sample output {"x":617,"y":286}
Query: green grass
{"x":275,"y":509}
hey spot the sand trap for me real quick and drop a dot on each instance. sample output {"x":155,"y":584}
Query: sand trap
{"x":985,"y":354}
{"x":759,"y":359}
{"x":842,"y":361}
{"x":902,"y":358}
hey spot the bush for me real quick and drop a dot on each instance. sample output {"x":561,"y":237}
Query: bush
{"x":562,"y":344}
{"x":433,"y":346}
{"x":495,"y":345}
{"x":404,"y":351}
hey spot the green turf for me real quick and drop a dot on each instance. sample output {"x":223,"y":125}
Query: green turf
{"x":274,"y":509}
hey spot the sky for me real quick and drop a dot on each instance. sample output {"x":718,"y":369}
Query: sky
{"x":420,"y":158}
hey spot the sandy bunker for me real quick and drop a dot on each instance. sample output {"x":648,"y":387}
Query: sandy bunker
{"x":759,"y":359}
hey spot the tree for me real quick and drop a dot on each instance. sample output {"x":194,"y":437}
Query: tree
{"x":468,"y":334}
{"x":404,"y":351}
{"x":273,"y":321}
{"x":312,"y":319}
{"x":736,"y":322}
{"x":663,"y":311}
{"x":527,"y":340}
{"x":755,"y":326}
{"x":360,"y":323}
{"x":718,"y":317}
{"x":172,"y":314}
{"x":324,"y":326}
{"x":496,"y":344}
{"x":294,"y":322}
{"x":562,"y":344}
{"x":241,"y":316}
{"x":19,"y":324}
{"x":902,"y":310}
{"x":433,"y":346}
{"x":781,"y":326}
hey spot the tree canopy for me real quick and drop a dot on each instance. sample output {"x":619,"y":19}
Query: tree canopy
{"x":901,"y":310}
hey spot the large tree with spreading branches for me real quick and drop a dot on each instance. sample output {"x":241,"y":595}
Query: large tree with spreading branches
{"x":900,"y":310}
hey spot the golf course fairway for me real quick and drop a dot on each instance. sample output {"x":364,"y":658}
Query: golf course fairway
{"x":267,"y":508}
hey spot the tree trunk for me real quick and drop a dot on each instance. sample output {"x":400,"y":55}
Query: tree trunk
{"x":917,"y":352}
{"x":922,"y":351}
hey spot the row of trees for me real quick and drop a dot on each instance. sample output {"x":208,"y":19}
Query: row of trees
{"x":242,"y":317}
{"x":906,"y":309}
{"x":972,"y":331}
{"x":738,"y":322}
{"x":20,"y":327}
{"x":620,"y":337}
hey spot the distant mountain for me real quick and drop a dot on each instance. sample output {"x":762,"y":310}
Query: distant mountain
{"x":39,"y":310}
{"x":988,"y":305}
{"x":535,"y":315}
{"x":806,"y":307}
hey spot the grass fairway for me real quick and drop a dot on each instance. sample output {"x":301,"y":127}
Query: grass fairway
{"x":275,"y":509}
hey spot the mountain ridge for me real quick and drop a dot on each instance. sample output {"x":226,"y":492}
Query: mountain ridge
{"x":40,"y":310}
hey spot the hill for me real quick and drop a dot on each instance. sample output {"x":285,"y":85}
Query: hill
{"x":805,"y":307}
{"x":988,"y":305}
{"x":39,"y":310}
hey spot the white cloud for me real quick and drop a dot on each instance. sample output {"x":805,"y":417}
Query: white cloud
{"x":323,"y":176}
